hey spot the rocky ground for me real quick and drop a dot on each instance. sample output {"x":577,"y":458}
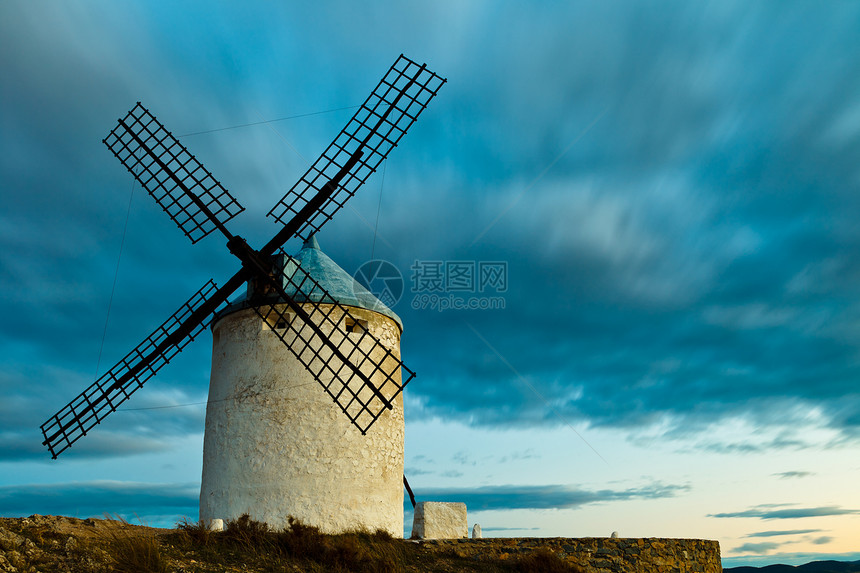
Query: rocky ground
{"x":66,"y":544}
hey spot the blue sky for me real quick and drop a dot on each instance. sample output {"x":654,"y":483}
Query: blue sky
{"x":673,"y":187}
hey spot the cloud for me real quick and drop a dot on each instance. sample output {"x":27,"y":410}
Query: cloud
{"x":463,"y":458}
{"x":784,"y":532}
{"x":766,"y":512}
{"x":486,"y":498}
{"x":527,"y":454}
{"x":413,"y":471}
{"x":794,"y":474}
{"x":684,"y":260}
{"x":663,"y":256}
{"x":758,"y":548}
{"x":97,"y":498}
{"x":149,"y":422}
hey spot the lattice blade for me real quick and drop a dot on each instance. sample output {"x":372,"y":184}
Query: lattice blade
{"x":171,"y":174}
{"x":92,"y":406}
{"x":376,"y":128}
{"x":365,"y":353}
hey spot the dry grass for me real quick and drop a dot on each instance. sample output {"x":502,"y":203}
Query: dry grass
{"x":131,"y":553}
{"x":56,"y":543}
{"x":544,"y":561}
{"x":357,"y":551}
{"x":246,"y":544}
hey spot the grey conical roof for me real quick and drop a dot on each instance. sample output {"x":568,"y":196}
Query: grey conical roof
{"x":342,"y":287}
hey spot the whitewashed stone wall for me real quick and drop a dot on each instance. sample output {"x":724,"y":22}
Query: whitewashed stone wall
{"x":440,"y":520}
{"x":276,"y":444}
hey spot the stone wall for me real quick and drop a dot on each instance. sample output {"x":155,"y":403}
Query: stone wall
{"x":599,"y":554}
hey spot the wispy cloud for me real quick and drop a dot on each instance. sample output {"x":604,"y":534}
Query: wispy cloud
{"x":758,"y":548}
{"x":782,"y":533}
{"x":794,"y":474}
{"x":764,"y":512}
{"x":546,"y":497}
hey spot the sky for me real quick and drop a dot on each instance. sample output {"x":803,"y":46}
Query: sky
{"x":669,"y":193}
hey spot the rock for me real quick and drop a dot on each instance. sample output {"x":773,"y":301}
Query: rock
{"x":9,"y":540}
{"x":476,"y":531}
{"x":614,"y":535}
{"x":6,"y":566}
{"x":440,"y":520}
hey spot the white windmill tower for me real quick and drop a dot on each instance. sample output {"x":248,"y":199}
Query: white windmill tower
{"x":274,"y":446}
{"x":351,"y":350}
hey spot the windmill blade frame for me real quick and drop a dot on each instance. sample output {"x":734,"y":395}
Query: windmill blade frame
{"x":375,"y":129}
{"x":366,"y":382}
{"x":115,"y":386}
{"x":179,"y":183}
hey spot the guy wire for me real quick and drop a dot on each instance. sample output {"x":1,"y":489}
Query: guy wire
{"x":115,"y":275}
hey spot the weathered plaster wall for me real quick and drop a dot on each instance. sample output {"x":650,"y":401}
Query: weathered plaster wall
{"x":599,"y":554}
{"x":440,"y":520}
{"x":276,"y":444}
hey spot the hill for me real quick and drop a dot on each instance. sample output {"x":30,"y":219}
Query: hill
{"x":814,"y":567}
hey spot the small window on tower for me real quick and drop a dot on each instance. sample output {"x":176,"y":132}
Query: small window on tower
{"x":355,"y":325}
{"x":277,"y":321}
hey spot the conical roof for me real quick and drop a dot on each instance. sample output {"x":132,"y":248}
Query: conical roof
{"x":342,"y":287}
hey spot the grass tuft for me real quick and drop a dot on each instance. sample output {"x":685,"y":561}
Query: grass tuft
{"x":544,"y":561}
{"x":247,"y":534}
{"x":130,"y":553}
{"x":193,"y":533}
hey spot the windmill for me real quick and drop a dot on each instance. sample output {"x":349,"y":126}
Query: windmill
{"x":359,"y":373}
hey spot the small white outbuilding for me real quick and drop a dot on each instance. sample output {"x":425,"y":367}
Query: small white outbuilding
{"x":276,"y":445}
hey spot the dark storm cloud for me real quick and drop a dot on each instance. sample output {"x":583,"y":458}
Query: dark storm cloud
{"x":98,"y":498}
{"x":674,"y":189}
{"x":766,"y":512}
{"x":703,"y":269}
{"x":488,"y":498}
{"x":150,"y":421}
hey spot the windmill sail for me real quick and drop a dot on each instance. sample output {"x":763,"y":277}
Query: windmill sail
{"x":375,"y":129}
{"x":360,"y":373}
{"x":78,"y":417}
{"x":187,"y":192}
